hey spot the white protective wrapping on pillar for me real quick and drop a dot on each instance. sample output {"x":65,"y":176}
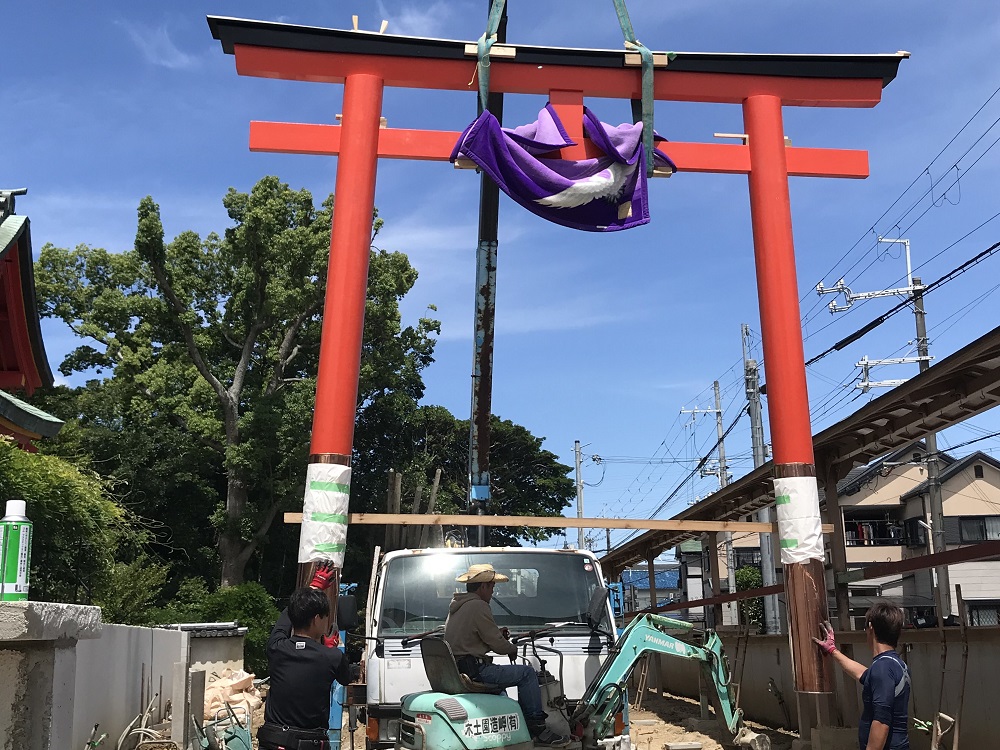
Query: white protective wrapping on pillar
{"x":323,"y":535}
{"x":800,"y":528}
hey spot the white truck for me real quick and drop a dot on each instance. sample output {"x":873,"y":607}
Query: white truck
{"x":549,"y":590}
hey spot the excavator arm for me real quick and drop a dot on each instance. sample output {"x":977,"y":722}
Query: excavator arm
{"x":650,"y":634}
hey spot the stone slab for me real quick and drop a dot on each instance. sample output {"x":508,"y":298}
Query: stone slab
{"x":48,"y":621}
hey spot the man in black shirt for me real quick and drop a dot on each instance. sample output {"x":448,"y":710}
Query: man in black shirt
{"x":885,"y":684}
{"x":302,"y":668}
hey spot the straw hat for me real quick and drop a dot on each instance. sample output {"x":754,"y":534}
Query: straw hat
{"x":481,"y":573}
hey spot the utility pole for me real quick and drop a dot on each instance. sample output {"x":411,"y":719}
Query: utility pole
{"x":722,"y":472}
{"x":772,"y":620}
{"x":582,"y":537}
{"x":723,"y":481}
{"x":933,"y":482}
{"x":915,"y":291}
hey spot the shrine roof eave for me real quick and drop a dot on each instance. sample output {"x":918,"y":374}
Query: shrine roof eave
{"x":241,"y":31}
{"x":15,"y":237}
{"x":29,"y":418}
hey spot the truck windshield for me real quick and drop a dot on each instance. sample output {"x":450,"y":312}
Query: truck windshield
{"x":543,"y":588}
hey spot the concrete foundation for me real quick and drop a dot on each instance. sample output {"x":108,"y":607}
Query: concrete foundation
{"x":38,"y":671}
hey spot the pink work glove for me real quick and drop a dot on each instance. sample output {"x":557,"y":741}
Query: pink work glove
{"x":323,"y":577}
{"x":828,"y":645}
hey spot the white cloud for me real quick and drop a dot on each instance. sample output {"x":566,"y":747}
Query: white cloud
{"x":418,"y":19}
{"x":157,"y":47}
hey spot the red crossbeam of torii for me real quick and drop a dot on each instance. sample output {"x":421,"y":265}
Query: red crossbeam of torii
{"x":761,"y":84}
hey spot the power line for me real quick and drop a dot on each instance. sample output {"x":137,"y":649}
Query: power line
{"x":920,"y":174}
{"x":872,"y":325}
{"x":693,"y":472}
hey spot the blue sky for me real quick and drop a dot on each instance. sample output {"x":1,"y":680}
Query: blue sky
{"x":601,"y":338}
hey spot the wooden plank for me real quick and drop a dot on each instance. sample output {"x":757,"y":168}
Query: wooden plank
{"x":778,"y":588}
{"x":436,"y":145}
{"x":551,"y":522}
{"x":981,"y":551}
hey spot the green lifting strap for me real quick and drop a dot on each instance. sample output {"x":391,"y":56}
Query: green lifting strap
{"x":486,"y":41}
{"x":647,"y":81}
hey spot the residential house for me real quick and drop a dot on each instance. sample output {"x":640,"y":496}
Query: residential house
{"x":635,"y":586}
{"x":886,"y":511}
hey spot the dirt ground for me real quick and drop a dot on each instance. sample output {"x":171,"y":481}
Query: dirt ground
{"x":661,"y":720}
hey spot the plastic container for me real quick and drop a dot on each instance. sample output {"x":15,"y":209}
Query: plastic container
{"x":15,"y":533}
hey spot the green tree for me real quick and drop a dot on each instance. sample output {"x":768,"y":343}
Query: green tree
{"x":526,"y":479}
{"x":751,"y":611}
{"x":249,"y":604}
{"x":78,"y":526}
{"x":211,"y":346}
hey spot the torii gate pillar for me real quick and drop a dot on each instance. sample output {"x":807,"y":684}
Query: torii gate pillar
{"x":781,"y":335}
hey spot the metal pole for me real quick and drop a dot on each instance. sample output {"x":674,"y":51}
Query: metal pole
{"x":486,"y":297}
{"x":788,"y":403}
{"x":772,"y":620}
{"x":933,"y":467}
{"x":731,"y":607}
{"x":582,"y":537}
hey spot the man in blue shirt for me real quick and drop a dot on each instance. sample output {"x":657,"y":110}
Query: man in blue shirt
{"x":885,"y":684}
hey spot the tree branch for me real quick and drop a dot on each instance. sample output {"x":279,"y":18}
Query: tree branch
{"x":160,"y":273}
{"x":287,"y":350}
{"x":261,"y":532}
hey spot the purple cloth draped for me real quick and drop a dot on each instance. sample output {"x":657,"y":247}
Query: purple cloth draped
{"x":596,"y":195}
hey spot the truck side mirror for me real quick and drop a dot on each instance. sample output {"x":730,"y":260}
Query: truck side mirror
{"x":598,"y":607}
{"x":347,"y":612}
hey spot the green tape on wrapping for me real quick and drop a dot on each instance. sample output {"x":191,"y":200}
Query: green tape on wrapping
{"x":331,"y":547}
{"x":328,"y":517}
{"x":782,"y":500}
{"x":789,"y":543}
{"x":330,"y":487}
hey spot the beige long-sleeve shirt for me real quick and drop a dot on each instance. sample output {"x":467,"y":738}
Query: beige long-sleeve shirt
{"x":471,"y":629}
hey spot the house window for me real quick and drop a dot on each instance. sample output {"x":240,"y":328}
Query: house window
{"x":978,"y":471}
{"x":868,"y":532}
{"x":979,"y":528}
{"x":746,"y":556}
{"x":916,"y":535}
{"x":984,"y":613}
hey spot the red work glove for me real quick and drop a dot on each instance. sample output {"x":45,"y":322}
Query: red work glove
{"x":323,"y":577}
{"x":828,"y":645}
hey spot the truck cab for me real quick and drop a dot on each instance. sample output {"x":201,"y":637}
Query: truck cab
{"x":410,"y":594}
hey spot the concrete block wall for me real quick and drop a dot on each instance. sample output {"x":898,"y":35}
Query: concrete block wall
{"x":118,"y":675}
{"x":38,"y":668}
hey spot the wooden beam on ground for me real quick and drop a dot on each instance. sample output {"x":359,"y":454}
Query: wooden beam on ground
{"x":550,"y":522}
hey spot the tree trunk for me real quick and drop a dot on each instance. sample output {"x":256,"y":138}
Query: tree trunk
{"x":230,"y":540}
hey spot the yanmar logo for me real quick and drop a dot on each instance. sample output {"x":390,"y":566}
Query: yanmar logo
{"x":676,"y":646}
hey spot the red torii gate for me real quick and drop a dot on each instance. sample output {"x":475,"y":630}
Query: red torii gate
{"x":366,"y":63}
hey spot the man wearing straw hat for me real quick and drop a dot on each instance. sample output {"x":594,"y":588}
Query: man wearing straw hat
{"x":472,"y":633}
